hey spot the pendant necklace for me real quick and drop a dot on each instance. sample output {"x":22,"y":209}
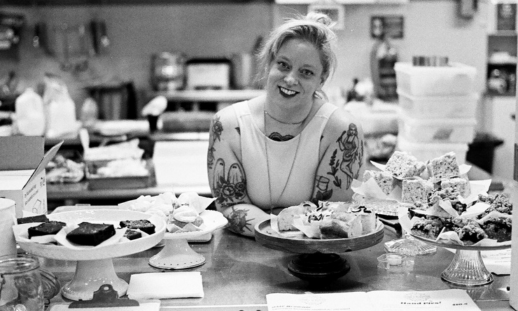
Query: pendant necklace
{"x":268,"y":161}
{"x":283,"y":122}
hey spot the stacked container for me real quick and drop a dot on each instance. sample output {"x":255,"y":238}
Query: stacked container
{"x":438,"y":109}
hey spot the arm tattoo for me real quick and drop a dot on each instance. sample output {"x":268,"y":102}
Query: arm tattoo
{"x":229,"y":187}
{"x":352,"y":157}
{"x":217,"y":129}
{"x":323,"y":192}
{"x":237,"y":221}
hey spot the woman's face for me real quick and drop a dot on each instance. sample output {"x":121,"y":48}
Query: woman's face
{"x":295,"y":74}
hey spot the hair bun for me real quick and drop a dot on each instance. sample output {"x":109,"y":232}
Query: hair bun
{"x":319,"y":18}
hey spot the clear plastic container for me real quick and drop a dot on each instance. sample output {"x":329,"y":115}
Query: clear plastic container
{"x":424,"y":107}
{"x":428,"y":151}
{"x":445,"y":130}
{"x":456,"y":79}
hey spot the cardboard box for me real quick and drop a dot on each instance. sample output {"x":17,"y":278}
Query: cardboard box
{"x":22,"y":172}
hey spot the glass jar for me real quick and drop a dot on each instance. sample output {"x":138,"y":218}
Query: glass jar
{"x":20,"y":284}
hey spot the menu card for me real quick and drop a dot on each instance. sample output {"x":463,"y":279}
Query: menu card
{"x":444,"y":300}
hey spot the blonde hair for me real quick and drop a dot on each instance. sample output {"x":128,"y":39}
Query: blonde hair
{"x":314,"y":28}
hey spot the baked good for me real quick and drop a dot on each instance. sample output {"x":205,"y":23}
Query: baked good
{"x":184,"y":218}
{"x":29,"y":219}
{"x":91,"y":234}
{"x":142,"y":224}
{"x":444,"y":167}
{"x":498,"y":228}
{"x":461,"y":185}
{"x":402,"y":164}
{"x":341,"y":225}
{"x":471,"y":233}
{"x":416,"y":189}
{"x":286,"y":217}
{"x":367,"y":218}
{"x":131,"y":234}
{"x":46,"y":228}
{"x":384,"y":179}
{"x":427,"y":227}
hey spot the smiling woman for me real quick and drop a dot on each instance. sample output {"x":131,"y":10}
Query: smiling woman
{"x":289,"y":145}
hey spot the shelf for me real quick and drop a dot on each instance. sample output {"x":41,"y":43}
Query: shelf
{"x":209,"y":95}
{"x":380,"y":2}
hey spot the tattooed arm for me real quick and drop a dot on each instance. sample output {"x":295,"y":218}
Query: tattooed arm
{"x":341,"y":154}
{"x":227,"y":178}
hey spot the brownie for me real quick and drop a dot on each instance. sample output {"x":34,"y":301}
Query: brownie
{"x":91,"y":234}
{"x":37,"y":218}
{"x":142,"y":224}
{"x":46,"y":228}
{"x":131,"y":234}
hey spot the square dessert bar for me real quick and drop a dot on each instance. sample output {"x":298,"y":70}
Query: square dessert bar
{"x":444,"y":167}
{"x":458,"y":184}
{"x":416,"y":190}
{"x":402,"y":164}
{"x":91,"y":234}
{"x":384,"y":179}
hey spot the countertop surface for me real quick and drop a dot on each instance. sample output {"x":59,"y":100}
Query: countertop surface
{"x":239,"y":273}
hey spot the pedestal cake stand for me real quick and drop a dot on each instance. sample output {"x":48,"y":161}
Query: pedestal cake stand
{"x":94,"y":265}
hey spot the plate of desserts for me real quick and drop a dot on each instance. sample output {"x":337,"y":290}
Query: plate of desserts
{"x":329,"y":227}
{"x":89,"y":234}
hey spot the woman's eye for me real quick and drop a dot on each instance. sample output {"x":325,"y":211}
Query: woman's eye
{"x":283,"y":65}
{"x":307,"y":73}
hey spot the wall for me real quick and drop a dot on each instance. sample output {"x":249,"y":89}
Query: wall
{"x":138,"y":31}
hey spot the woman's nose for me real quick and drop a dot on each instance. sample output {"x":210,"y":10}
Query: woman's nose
{"x":290,"y":79}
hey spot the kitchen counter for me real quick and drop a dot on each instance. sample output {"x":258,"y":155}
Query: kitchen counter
{"x":239,"y":273}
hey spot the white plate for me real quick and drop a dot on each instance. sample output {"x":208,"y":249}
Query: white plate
{"x":99,"y":252}
{"x":212,"y":220}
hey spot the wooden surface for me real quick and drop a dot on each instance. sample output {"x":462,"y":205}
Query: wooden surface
{"x":239,"y":271}
{"x":265,"y":235}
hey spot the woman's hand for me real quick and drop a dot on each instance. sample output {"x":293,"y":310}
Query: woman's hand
{"x":242,"y":218}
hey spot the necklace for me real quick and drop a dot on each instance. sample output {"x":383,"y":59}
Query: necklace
{"x":268,"y":165}
{"x":283,"y":122}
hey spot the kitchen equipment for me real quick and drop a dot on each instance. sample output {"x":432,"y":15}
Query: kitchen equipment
{"x":116,"y":100}
{"x":208,"y":73}
{"x":167,"y":71}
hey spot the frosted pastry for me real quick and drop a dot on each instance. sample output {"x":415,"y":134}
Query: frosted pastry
{"x":416,"y":190}
{"x":384,"y":179}
{"x":444,"y":167}
{"x":402,"y":164}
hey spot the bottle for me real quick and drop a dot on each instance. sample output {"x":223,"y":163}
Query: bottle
{"x":30,"y":114}
{"x":89,"y":112}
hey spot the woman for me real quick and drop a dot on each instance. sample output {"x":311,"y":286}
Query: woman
{"x":289,"y":145}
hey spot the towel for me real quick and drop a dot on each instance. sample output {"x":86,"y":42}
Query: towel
{"x":165,"y":285}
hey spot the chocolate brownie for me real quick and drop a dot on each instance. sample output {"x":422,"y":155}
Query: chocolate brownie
{"x":131,"y":234}
{"x":142,"y":224}
{"x":91,"y":234}
{"x":37,"y":218}
{"x":471,"y":234}
{"x":46,"y":228}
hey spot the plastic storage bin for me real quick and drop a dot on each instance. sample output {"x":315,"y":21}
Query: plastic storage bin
{"x":424,"y":107}
{"x":455,"y":79}
{"x":428,"y":151}
{"x":445,"y":130}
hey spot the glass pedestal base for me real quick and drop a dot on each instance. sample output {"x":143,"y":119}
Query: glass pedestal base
{"x":467,"y":269}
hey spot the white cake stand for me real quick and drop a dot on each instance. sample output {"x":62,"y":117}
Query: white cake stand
{"x":94,"y":265}
{"x":177,"y":254}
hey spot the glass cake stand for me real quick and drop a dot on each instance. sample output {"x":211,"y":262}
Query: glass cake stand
{"x":467,"y":267}
{"x":177,"y":253}
{"x":94,"y":266}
